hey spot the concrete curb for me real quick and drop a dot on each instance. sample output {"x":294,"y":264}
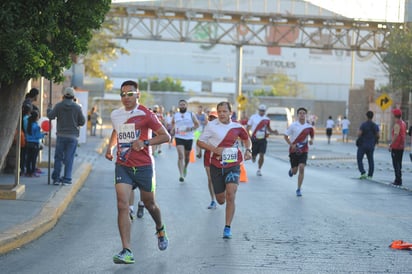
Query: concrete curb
{"x":51,"y":212}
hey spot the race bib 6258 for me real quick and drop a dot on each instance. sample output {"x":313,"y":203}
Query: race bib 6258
{"x":229,"y":155}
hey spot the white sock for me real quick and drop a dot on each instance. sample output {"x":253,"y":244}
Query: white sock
{"x":131,"y":207}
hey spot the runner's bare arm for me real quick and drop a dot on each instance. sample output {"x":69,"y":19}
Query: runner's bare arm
{"x":172,"y":131}
{"x":312,"y":138}
{"x":248,"y":145}
{"x":110,"y":146}
{"x":287,"y":139}
{"x":273,"y":131}
{"x":213,"y":149}
{"x":161,"y":136}
{"x":248,"y":127}
{"x":195,"y":122}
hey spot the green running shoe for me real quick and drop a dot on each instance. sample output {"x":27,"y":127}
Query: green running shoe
{"x":124,"y":257}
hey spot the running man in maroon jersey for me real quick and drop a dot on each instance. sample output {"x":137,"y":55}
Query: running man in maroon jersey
{"x":299,"y":135}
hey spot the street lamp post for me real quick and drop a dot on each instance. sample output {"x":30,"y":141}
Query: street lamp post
{"x":239,"y":62}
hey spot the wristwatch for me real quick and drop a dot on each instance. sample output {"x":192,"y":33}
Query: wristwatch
{"x":146,"y":143}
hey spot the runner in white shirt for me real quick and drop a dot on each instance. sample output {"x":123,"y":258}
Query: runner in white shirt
{"x":220,"y":137}
{"x":184,"y":124}
{"x":299,"y":134}
{"x":258,"y":126}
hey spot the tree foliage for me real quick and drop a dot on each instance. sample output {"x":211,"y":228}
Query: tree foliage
{"x":281,"y":85}
{"x":167,"y":84}
{"x":103,"y":48}
{"x":38,"y":38}
{"x":399,"y":58}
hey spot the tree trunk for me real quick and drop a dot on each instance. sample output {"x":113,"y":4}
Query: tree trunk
{"x":11,"y":99}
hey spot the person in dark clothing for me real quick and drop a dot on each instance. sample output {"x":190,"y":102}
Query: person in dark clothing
{"x":69,"y":120}
{"x":368,"y":137}
{"x":26,"y":111}
{"x":31,"y":97}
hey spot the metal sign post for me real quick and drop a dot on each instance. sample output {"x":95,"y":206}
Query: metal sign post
{"x":49,"y":155}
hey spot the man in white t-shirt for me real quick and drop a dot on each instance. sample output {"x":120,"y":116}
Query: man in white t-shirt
{"x":345,"y":129}
{"x":184,"y":124}
{"x":330,"y":124}
{"x":258,"y":127}
{"x":299,"y":136}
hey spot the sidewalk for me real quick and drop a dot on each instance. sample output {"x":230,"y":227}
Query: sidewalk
{"x":41,"y":205}
{"x":38,"y":210}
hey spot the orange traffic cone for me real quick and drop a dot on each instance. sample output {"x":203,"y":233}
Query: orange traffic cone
{"x":399,"y":244}
{"x":192,"y":158}
{"x":243,"y":174}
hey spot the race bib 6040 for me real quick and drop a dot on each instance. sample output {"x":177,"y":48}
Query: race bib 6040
{"x":127,"y":133}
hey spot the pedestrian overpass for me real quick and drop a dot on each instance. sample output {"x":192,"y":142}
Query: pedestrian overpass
{"x":242,"y":24}
{"x":208,"y":25}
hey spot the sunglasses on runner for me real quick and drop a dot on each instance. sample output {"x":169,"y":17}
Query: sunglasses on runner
{"x":129,"y":93}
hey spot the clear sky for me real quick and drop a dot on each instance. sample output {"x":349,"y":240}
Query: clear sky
{"x":380,"y":10}
{"x":377,"y":10}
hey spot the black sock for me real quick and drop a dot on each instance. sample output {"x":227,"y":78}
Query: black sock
{"x":228,"y":226}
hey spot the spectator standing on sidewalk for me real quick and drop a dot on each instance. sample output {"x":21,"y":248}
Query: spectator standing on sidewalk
{"x":299,"y":134}
{"x":94,"y":118}
{"x":69,"y":120}
{"x":132,"y":133}
{"x":345,"y":129}
{"x":368,"y":137}
{"x":220,"y":137}
{"x":329,"y":128}
{"x":259,"y":128}
{"x":26,"y":112}
{"x":33,"y":137}
{"x":30,"y":98}
{"x":397,"y":146}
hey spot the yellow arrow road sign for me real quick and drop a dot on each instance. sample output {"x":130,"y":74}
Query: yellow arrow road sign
{"x":384,"y":101}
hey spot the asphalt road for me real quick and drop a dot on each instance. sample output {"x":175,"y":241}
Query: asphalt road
{"x":340,"y":224}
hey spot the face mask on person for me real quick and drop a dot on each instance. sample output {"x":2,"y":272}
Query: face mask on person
{"x":182,"y":110}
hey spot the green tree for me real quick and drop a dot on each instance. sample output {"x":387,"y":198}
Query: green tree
{"x":281,"y":85}
{"x":38,"y":38}
{"x":103,"y":48}
{"x":398,"y":58}
{"x":167,"y":84}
